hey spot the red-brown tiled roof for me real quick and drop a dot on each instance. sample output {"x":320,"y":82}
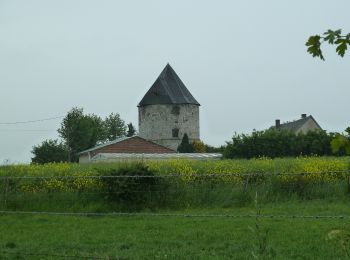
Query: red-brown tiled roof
{"x":134,"y":144}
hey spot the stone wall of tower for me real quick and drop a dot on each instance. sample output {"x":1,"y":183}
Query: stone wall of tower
{"x":166,"y":124}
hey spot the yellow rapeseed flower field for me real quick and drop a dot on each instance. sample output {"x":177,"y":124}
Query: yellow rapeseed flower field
{"x":187,"y":169}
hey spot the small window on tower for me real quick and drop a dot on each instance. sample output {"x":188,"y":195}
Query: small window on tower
{"x":175,"y":110}
{"x":175,"y":132}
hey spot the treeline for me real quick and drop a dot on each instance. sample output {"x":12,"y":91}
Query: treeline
{"x":78,"y":132}
{"x":281,"y":143}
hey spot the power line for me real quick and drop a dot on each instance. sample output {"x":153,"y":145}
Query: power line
{"x":26,"y":130}
{"x":30,"y":121}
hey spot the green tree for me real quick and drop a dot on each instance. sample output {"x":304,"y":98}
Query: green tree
{"x":185,"y":146}
{"x":98,"y":130}
{"x":80,"y":132}
{"x":341,"y":143}
{"x":212,"y":149}
{"x":131,"y":130}
{"x":198,"y":146}
{"x":114,"y":127}
{"x":331,"y":37}
{"x":278,"y":143}
{"x":50,"y":151}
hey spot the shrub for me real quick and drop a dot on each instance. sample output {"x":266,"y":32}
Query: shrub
{"x":185,"y":146}
{"x":198,"y":146}
{"x":134,"y":184}
{"x":278,"y":143}
{"x":50,"y":151}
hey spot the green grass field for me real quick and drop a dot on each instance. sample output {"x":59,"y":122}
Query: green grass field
{"x":150,"y":237}
{"x":215,"y":234}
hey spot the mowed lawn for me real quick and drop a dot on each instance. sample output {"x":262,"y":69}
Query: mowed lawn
{"x":155,"y":237}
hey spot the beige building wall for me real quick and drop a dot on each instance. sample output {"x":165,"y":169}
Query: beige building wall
{"x":84,"y":158}
{"x":310,"y":125}
{"x":159,"y":123}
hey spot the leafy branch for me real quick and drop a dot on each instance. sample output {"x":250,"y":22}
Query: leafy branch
{"x":331,"y":37}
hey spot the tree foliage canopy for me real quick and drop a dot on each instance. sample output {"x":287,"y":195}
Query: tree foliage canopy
{"x":198,"y":146}
{"x":114,"y":127}
{"x":341,"y":143}
{"x":50,"y":151}
{"x":131,"y":130}
{"x":80,"y":131}
{"x":278,"y":143}
{"x":185,"y":146}
{"x":331,"y":37}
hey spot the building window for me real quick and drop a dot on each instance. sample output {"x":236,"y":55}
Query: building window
{"x":175,"y":110}
{"x":175,"y":132}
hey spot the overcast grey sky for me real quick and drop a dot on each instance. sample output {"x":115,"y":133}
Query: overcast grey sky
{"x":244,"y":61}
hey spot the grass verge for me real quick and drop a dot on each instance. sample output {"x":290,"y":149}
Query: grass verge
{"x":176,"y":237}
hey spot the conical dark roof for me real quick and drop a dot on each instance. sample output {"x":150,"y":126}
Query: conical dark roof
{"x":168,"y":89}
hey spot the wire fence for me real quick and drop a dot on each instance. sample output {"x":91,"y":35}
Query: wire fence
{"x":143,"y":214}
{"x":178,"y":191}
{"x":177,"y":175}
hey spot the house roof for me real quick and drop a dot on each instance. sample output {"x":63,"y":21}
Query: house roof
{"x":105,"y":144}
{"x":127,"y":145}
{"x":294,"y":126}
{"x":168,"y":89}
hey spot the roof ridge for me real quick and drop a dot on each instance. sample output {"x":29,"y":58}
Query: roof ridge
{"x":297,"y":120}
{"x":164,"y":82}
{"x":108,"y":143}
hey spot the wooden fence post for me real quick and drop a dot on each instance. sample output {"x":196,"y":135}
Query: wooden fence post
{"x":6,"y":192}
{"x":245,"y":188}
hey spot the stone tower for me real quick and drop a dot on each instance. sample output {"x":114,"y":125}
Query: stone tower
{"x":168,"y":111}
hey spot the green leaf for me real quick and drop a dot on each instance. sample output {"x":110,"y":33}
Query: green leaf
{"x":342,"y":46}
{"x":313,"y":40}
{"x":338,"y":32}
{"x":314,"y":45}
{"x":331,"y":36}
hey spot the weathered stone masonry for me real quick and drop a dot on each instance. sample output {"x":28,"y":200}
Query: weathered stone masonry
{"x":166,"y":124}
{"x":168,"y":111}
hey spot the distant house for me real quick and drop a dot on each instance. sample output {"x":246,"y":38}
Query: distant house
{"x":302,"y":125}
{"x":124,"y":145}
{"x":137,"y":148}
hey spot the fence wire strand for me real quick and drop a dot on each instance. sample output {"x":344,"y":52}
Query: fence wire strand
{"x":57,"y":255}
{"x":183,"y":215}
{"x":255,"y":174}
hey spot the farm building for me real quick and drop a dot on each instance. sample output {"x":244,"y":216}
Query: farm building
{"x":114,"y":157}
{"x":136,"y":148}
{"x":124,"y":145}
{"x":302,"y":125}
